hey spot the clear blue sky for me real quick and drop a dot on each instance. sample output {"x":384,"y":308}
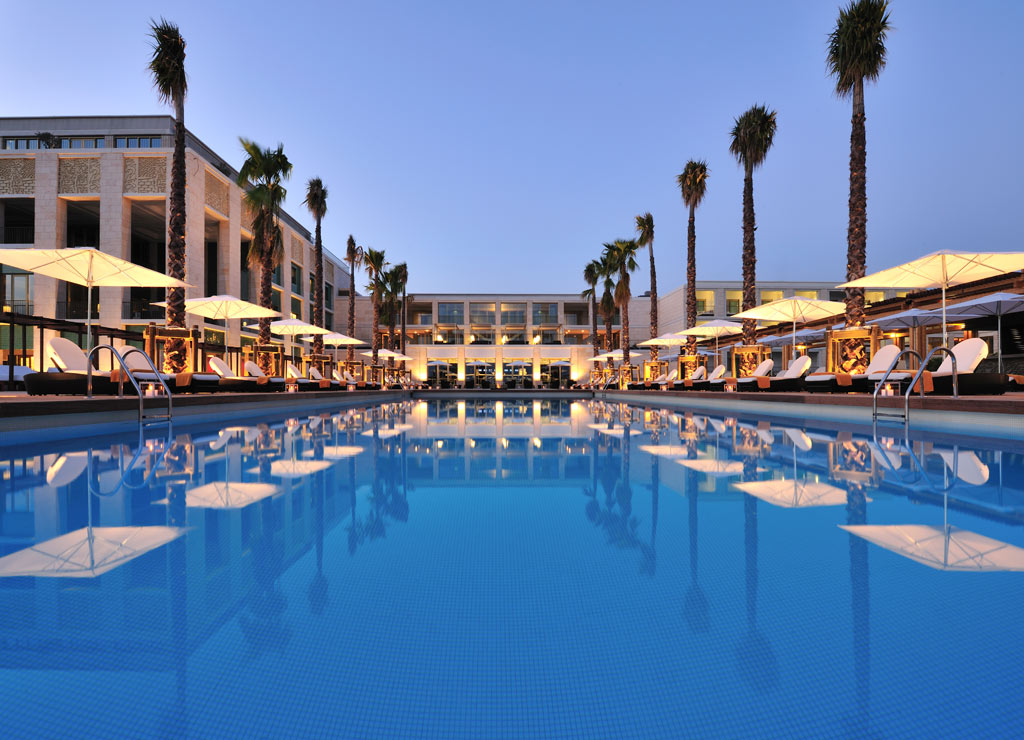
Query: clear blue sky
{"x":496,"y":146}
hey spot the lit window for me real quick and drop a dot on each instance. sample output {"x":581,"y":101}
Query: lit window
{"x":805,"y":293}
{"x":705,"y":302}
{"x":733,"y":301}
{"x":767,"y":296}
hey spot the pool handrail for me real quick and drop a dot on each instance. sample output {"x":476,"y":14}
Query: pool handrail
{"x":126,"y":371}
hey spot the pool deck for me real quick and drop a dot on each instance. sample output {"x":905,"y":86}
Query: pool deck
{"x":24,"y":418}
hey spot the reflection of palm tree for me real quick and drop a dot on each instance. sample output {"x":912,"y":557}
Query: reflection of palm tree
{"x":754,"y":655}
{"x":262,"y":623}
{"x":856,"y":513}
{"x":650,"y":550}
{"x":695,"y":603}
{"x":317,"y":592}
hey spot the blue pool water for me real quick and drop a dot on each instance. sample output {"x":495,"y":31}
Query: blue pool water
{"x":477,"y":569}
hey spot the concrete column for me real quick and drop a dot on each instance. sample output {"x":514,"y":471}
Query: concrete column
{"x":50,"y":223}
{"x":112,"y":242}
{"x":195,"y":224}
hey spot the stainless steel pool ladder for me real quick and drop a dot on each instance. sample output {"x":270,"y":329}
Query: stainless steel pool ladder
{"x":922,"y":364}
{"x":127,"y":471}
{"x":918,"y":472}
{"x":126,"y":372}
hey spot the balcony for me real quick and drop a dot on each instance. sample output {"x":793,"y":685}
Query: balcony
{"x":22,"y":307}
{"x":19,"y":235}
{"x":141,"y":310}
{"x":74,"y":310}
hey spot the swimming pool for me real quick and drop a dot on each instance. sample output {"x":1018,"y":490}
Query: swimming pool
{"x":495,"y":569}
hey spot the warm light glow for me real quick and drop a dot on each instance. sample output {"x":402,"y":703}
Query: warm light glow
{"x":504,"y":442}
{"x":472,"y":443}
{"x":472,"y":338}
{"x":536,"y":442}
{"x":536,"y":339}
{"x":440,"y":443}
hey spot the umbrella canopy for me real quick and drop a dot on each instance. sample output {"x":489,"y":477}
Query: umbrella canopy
{"x":909,"y":319}
{"x":942,"y":269}
{"x":438,"y":363}
{"x":387,"y":432}
{"x":996,"y":305}
{"x":714,"y":468}
{"x":665,"y":340}
{"x":614,"y":431}
{"x":86,"y":552}
{"x":519,"y":363}
{"x":793,"y":494}
{"x":228,"y":495}
{"x":335,"y":339}
{"x":66,"y":469}
{"x":291,"y":328}
{"x":792,"y":310}
{"x":225,"y":307}
{"x":478,"y":363}
{"x":942,"y":548}
{"x":337,"y":452}
{"x":89,"y":267}
{"x":716,"y":329}
{"x":666,"y":450}
{"x":295,"y":468}
{"x":561,"y":363}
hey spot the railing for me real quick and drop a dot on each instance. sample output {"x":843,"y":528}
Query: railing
{"x":126,"y":372}
{"x":882,"y":383}
{"x":17,"y":306}
{"x":19,"y":235}
{"x":74,"y":310}
{"x":141,"y":309}
{"x":923,"y":364}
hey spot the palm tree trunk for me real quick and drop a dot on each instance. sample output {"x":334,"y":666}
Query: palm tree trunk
{"x":266,"y":292}
{"x":593,"y":321}
{"x":375,"y":342}
{"x":654,"y":301}
{"x":318,"y":283}
{"x":350,"y":352}
{"x":624,"y":311}
{"x":403,"y":323}
{"x":746,"y":366}
{"x":856,"y":235}
{"x":691,"y":278}
{"x":175,"y":355}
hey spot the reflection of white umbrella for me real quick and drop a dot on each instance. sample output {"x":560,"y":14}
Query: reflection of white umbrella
{"x":224,"y":307}
{"x":86,"y":552}
{"x":228,"y":495}
{"x":996,"y":305}
{"x":89,"y":267}
{"x":385,"y":432}
{"x":942,"y":269}
{"x":613,"y":431}
{"x":339,"y":452}
{"x":942,"y":548}
{"x":295,"y":468}
{"x":66,"y":469}
{"x":794,"y":494}
{"x":714,"y":468}
{"x":792,"y":310}
{"x":665,"y":450}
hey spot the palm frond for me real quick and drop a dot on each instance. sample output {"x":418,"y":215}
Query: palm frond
{"x":645,"y":229}
{"x":168,"y":61}
{"x":752,"y":136}
{"x":856,"y":46}
{"x":693,"y":182}
{"x":316,"y":197}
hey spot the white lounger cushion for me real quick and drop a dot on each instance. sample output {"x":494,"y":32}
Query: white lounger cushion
{"x":67,"y":356}
{"x":254,"y":370}
{"x":699,"y":373}
{"x":969,"y":354}
{"x":717,"y":373}
{"x":879,"y":364}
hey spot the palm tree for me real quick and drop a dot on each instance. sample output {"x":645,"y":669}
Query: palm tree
{"x":856,"y":52}
{"x":752,"y":136}
{"x":316,"y":202}
{"x":693,"y":183}
{"x":168,"y":68}
{"x":645,"y":238}
{"x":262,"y":173}
{"x":591,"y":276}
{"x":622,"y":258}
{"x":606,"y":306}
{"x":354,"y":257}
{"x":373,"y":260}
{"x":392,"y":280}
{"x":402,"y":272}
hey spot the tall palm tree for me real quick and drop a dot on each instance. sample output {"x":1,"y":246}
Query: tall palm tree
{"x":645,"y":238}
{"x":693,"y":183}
{"x":402,"y":273}
{"x":622,"y":257}
{"x":316,"y":202}
{"x":856,"y":52}
{"x":354,"y":257}
{"x":606,"y":306}
{"x":392,"y":280}
{"x":168,"y":68}
{"x":752,"y":136}
{"x":374,"y":262}
{"x":261,"y":175}
{"x":591,"y":276}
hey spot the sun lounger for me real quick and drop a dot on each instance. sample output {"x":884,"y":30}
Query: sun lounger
{"x":71,"y":377}
{"x":969,"y":354}
{"x":228,"y":381}
{"x":253,"y":370}
{"x":293,"y":376}
{"x":666,"y":381}
{"x":20,"y":371}
{"x":704,"y":384}
{"x":792,"y":378}
{"x":358,"y":384}
{"x":698,"y":375}
{"x":322,"y":383}
{"x":178,"y":383}
{"x":855,"y":382}
{"x":753,"y":382}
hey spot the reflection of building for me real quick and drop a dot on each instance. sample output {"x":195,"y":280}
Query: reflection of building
{"x":103,"y":181}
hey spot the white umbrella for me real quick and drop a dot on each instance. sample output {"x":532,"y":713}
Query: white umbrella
{"x":942,"y":548}
{"x":87,"y":552}
{"x":665,"y":340}
{"x":224,"y":307}
{"x":793,"y":494}
{"x":337,"y":452}
{"x":990,"y":305}
{"x":793,"y":309}
{"x":717,"y":328}
{"x":942,"y":270}
{"x":228,"y":495}
{"x":714,"y":468}
{"x":561,"y":363}
{"x":520,"y":363}
{"x":295,"y":468}
{"x":438,"y":363}
{"x":291,"y":328}
{"x":89,"y":267}
{"x":909,"y":319}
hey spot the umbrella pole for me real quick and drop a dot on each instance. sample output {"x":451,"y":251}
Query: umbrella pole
{"x":794,"y":341}
{"x":945,"y":342}
{"x":999,"y":341}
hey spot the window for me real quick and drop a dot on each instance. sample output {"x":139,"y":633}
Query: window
{"x":275,"y":299}
{"x":481,"y":313}
{"x":480,"y":336}
{"x":137,"y":142}
{"x":246,"y":278}
{"x":513,"y":313}
{"x":275,"y":278}
{"x":548,"y":336}
{"x":733,"y":300}
{"x":545,"y":313}
{"x":513,"y":337}
{"x":705,"y":302}
{"x":837,"y":295}
{"x":805,"y":293}
{"x":296,"y":279}
{"x":297,"y":308}
{"x":450,"y":313}
{"x":873,"y":296}
{"x":767,"y":296}
{"x":448,"y":336}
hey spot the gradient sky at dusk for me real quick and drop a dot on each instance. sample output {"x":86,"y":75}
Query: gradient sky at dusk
{"x":496,"y":146}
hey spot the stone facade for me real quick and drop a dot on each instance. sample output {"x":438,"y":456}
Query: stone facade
{"x":78,"y":176}
{"x":216,"y":193}
{"x":145,"y":175}
{"x":17,"y":176}
{"x":297,"y":249}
